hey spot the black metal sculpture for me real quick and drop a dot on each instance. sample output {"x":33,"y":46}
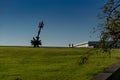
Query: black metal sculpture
{"x":36,"y":40}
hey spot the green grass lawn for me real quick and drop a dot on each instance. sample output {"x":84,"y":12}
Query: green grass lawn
{"x":52,"y":63}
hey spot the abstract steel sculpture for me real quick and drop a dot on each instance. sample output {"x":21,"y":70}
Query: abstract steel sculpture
{"x":36,"y":40}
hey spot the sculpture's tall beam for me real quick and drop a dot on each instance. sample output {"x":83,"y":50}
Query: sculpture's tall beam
{"x":40,"y":26}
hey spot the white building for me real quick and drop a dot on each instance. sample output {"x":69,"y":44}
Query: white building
{"x":90,"y":44}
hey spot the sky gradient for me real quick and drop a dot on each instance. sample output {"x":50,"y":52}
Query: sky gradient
{"x":66,"y":21}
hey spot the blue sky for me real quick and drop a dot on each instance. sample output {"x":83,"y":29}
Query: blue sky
{"x":66,"y":21}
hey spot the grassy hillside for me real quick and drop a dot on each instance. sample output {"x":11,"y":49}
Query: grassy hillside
{"x":21,"y":63}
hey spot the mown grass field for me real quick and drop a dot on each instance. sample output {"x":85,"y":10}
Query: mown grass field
{"x":23,"y":63}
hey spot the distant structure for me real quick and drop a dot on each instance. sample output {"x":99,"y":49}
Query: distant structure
{"x":88,"y":44}
{"x":36,"y":40}
{"x":94,"y":44}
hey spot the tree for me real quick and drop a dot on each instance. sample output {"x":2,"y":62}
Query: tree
{"x":110,"y":28}
{"x":36,"y":42}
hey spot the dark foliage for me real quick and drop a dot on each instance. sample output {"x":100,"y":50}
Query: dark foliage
{"x":110,"y":27}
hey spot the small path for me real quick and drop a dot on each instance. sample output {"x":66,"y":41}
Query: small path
{"x":115,"y":76}
{"x":110,"y":73}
